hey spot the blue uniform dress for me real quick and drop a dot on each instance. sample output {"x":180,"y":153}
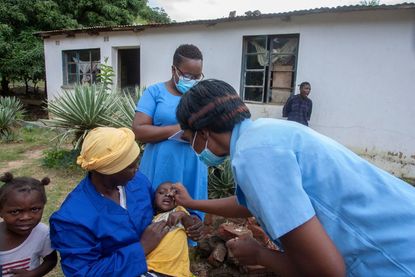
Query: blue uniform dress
{"x":97,"y":237}
{"x":286,"y":173}
{"x":169,"y":160}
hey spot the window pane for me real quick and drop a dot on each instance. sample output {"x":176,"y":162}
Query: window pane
{"x":72,"y":68}
{"x":71,"y":56}
{"x":284,"y":45}
{"x":256,"y":45}
{"x":95,"y":56}
{"x":84,"y":55}
{"x":72,"y":79}
{"x":253,"y":94}
{"x":283,"y":60}
{"x":278,"y":96}
{"x":254,"y":78}
{"x":256,"y":61}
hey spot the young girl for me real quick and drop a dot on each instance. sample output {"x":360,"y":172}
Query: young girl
{"x":25,"y":246}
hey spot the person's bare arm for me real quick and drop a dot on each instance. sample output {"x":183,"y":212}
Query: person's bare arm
{"x":308,"y":251}
{"x":49,"y":262}
{"x":145,"y":131}
{"x":227,"y":207}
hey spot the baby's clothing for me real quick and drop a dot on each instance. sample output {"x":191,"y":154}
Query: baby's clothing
{"x":28,"y":254}
{"x":171,"y":256}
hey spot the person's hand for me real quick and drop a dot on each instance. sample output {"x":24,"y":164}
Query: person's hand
{"x":20,"y":273}
{"x":181,"y":196}
{"x":195,"y":230}
{"x":152,"y":235}
{"x":175,"y":218}
{"x":245,"y":249}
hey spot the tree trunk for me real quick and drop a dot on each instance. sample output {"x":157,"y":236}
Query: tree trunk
{"x":4,"y":85}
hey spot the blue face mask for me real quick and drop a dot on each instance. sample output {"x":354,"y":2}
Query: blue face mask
{"x":207,"y":157}
{"x":183,"y":86}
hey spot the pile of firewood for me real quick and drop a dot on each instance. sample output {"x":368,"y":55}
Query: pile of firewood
{"x":213,"y":251}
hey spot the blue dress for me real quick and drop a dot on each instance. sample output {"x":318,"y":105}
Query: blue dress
{"x":287,"y":173}
{"x":169,"y":160}
{"x":97,"y":237}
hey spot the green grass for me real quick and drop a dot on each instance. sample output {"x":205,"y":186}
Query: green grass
{"x":25,"y":157}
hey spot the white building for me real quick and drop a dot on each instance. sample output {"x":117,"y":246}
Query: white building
{"x":359,"y":60}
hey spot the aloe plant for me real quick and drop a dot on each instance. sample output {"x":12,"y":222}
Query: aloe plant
{"x":220,"y":181}
{"x":80,"y":110}
{"x":11,"y":109}
{"x":124,"y":111}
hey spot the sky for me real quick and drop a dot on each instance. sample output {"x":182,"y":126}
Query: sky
{"x":185,"y":10}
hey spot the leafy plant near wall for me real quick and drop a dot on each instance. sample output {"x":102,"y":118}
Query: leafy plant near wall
{"x":105,"y":75}
{"x":11,"y":109}
{"x":220,"y":181}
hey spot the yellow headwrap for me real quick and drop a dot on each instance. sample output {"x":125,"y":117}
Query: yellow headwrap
{"x":108,"y":150}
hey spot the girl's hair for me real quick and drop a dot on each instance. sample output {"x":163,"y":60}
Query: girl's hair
{"x":188,"y":51}
{"x":304,"y":84}
{"x":21,"y":184}
{"x":211,"y":104}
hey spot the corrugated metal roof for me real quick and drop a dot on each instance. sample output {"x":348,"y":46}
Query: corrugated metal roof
{"x":138,"y":28}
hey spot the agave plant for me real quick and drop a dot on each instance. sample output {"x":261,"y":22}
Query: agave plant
{"x":124,"y":110}
{"x":220,"y":181}
{"x":11,"y":109}
{"x":80,"y":110}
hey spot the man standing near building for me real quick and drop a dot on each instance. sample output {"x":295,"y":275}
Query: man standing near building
{"x":298,"y":107}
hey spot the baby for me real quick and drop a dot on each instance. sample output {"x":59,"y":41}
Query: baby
{"x":171,"y":256}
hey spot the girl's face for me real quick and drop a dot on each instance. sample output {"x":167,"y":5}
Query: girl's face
{"x":22,"y":211}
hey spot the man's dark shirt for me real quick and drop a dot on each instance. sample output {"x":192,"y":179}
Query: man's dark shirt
{"x":298,"y":109}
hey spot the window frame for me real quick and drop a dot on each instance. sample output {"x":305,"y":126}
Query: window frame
{"x":267,"y":72}
{"x":77,"y":53}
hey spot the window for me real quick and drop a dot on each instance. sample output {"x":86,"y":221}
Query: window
{"x":269,"y":67}
{"x":80,"y":66}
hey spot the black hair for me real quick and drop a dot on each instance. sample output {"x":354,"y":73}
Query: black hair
{"x":21,"y":184}
{"x":211,"y":104}
{"x":304,"y":84}
{"x":188,"y":51}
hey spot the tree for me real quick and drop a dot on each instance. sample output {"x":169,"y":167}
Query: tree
{"x":21,"y":52}
{"x":370,"y":2}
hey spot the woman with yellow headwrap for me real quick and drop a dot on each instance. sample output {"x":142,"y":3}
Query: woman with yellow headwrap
{"x":104,"y":228}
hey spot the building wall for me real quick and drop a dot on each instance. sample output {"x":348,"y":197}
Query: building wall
{"x":361,"y":66}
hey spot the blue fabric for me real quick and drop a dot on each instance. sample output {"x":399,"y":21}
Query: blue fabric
{"x":298,"y":109}
{"x":286,"y":173}
{"x":97,"y":237}
{"x":170,"y":160}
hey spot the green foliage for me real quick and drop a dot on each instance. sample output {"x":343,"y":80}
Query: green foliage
{"x":81,"y":110}
{"x":11,"y":109}
{"x":220,"y":181}
{"x":60,"y":158}
{"x":21,"y":52}
{"x":105,"y":75}
{"x":123,"y":114}
{"x":369,"y":2}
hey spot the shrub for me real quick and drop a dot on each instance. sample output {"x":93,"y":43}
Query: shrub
{"x":60,"y":158}
{"x":11,"y":109}
{"x":220,"y":181}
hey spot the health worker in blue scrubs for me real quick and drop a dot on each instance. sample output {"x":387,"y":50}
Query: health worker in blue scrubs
{"x":332,"y":212}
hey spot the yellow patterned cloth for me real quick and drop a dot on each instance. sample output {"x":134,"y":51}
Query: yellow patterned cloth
{"x":171,"y":256}
{"x":108,"y":150}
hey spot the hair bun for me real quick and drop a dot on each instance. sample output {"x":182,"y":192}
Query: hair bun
{"x":7,"y":177}
{"x":45,"y":181}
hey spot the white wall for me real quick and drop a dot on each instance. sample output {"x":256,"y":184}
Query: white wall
{"x":361,"y":67}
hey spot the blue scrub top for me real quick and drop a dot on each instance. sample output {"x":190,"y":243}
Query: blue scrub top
{"x":286,"y":173}
{"x":170,"y":160}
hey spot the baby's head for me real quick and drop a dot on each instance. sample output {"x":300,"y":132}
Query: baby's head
{"x":164,"y":197}
{"x":21,"y":202}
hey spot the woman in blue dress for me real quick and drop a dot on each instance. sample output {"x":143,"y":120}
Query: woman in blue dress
{"x":155,"y":121}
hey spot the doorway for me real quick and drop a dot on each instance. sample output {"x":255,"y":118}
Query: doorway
{"x":129,"y":68}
